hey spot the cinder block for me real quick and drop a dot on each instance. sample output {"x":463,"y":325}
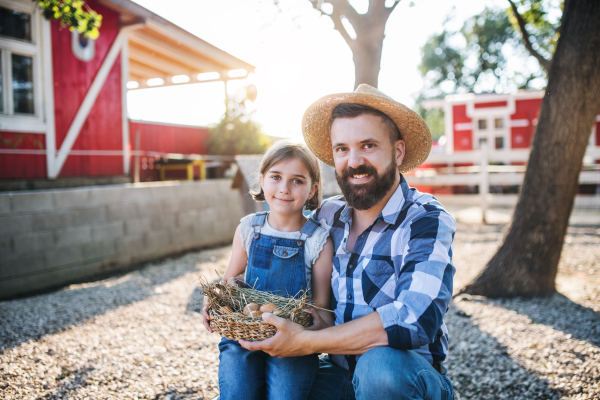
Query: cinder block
{"x":31,"y":202}
{"x":22,"y":264}
{"x":51,"y":220}
{"x":88,"y":216}
{"x":73,"y":236}
{"x":108,"y":230}
{"x":121,"y":211}
{"x":101,"y":196}
{"x":98,"y":250}
{"x":136,"y":194}
{"x":4,"y":203}
{"x":187,"y":218}
{"x":150,"y":209}
{"x":71,"y":198}
{"x":33,"y":242}
{"x":163,"y":221}
{"x":129,"y":246}
{"x":63,"y":257}
{"x":137,"y":226}
{"x":6,"y":247}
{"x":13,"y":224}
{"x":158,"y":242}
{"x":183,"y":238}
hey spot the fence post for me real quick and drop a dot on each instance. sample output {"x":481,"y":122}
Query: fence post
{"x":136,"y":175}
{"x":484,"y":183}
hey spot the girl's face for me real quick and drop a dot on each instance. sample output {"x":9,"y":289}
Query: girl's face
{"x":287,"y":186}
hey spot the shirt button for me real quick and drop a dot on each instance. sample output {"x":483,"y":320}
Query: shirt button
{"x":349,"y":297}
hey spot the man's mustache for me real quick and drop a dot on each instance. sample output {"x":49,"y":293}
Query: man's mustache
{"x":362,"y":169}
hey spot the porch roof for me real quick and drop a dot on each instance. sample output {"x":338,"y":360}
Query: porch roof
{"x":158,"y":48}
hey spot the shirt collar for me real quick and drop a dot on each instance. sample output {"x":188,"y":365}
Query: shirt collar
{"x":392,"y":209}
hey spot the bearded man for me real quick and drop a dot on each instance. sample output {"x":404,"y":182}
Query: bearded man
{"x":393,"y":272}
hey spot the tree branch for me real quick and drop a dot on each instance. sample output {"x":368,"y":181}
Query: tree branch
{"x":526,"y":41}
{"x":336,"y":17}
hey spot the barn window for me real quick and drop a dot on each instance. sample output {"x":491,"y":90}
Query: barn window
{"x":20,"y":67}
{"x":499,"y":123}
{"x":482,"y":124}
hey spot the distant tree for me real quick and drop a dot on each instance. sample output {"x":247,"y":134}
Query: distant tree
{"x":476,"y":57}
{"x":237,"y":133}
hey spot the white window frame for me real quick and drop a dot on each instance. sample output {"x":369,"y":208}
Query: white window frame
{"x":9,"y":121}
{"x":491,"y":133}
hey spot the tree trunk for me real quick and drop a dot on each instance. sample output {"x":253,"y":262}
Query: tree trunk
{"x":527,"y":262}
{"x":366,"y":54}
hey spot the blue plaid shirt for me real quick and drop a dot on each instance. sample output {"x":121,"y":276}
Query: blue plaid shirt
{"x":401,"y":267}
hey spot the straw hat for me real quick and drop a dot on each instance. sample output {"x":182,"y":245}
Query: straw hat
{"x":414,"y":131}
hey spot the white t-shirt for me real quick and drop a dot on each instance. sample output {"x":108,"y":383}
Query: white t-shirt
{"x":312,"y":247}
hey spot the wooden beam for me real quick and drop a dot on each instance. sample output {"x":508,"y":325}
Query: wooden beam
{"x":146,"y":71}
{"x":165,"y":64}
{"x":159,"y":46}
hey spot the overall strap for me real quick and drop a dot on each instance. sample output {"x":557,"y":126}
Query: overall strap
{"x":310,"y":226}
{"x":258,"y":222}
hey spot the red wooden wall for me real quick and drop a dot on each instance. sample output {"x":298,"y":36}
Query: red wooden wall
{"x":72,"y":80}
{"x":22,"y":166}
{"x":524,"y":109}
{"x":463,"y":139}
{"x":164,"y":138}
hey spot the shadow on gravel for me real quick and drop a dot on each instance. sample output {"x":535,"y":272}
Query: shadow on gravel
{"x":69,"y":383}
{"x":559,"y":312}
{"x":195,"y":301}
{"x":480,"y":367}
{"x":34,"y":317}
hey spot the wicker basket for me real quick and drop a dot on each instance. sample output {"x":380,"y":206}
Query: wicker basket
{"x":235,"y":325}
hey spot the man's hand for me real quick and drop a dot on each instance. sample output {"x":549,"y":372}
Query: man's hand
{"x":289,"y":341}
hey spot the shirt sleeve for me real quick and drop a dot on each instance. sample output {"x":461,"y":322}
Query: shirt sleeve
{"x":425,"y":283}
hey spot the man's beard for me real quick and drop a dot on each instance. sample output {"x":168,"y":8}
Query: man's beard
{"x":366,"y":195}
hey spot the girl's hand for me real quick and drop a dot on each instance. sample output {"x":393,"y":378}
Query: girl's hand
{"x":205,"y":316}
{"x":318,"y":322}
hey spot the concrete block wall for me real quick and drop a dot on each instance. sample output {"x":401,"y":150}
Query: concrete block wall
{"x":49,"y":238}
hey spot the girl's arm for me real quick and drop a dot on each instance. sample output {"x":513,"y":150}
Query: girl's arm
{"x":237,"y":266}
{"x":321,"y":288}
{"x":239,"y":258}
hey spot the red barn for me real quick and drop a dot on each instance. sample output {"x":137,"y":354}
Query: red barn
{"x":63,"y":109}
{"x":504,"y":121}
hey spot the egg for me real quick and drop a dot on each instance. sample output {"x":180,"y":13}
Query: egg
{"x":255,"y":314}
{"x":269,"y":307}
{"x":251,"y":307}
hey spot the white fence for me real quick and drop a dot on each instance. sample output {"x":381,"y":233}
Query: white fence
{"x":484,"y":175}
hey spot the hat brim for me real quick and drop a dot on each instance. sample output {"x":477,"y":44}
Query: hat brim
{"x":415,"y":133}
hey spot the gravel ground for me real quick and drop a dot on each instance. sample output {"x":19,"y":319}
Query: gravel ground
{"x":139,"y":335}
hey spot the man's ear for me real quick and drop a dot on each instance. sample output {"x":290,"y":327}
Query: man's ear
{"x":400,"y":148}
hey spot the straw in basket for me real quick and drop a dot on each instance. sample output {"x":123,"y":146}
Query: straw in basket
{"x":227,"y":303}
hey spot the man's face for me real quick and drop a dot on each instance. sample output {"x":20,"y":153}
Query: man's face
{"x":365,"y":159}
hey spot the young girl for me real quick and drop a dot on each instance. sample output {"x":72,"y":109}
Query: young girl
{"x":281,"y":252}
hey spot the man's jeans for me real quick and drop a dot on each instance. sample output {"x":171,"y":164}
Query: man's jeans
{"x":382,"y":373}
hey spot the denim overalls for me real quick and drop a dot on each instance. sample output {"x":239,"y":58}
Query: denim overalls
{"x":275,"y":265}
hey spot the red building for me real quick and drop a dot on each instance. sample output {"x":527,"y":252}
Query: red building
{"x":504,"y":121}
{"x":63,"y":109}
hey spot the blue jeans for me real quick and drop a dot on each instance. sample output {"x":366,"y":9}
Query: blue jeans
{"x":255,"y":375}
{"x":382,"y":373}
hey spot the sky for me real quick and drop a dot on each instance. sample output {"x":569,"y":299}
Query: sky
{"x":298,"y":56}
